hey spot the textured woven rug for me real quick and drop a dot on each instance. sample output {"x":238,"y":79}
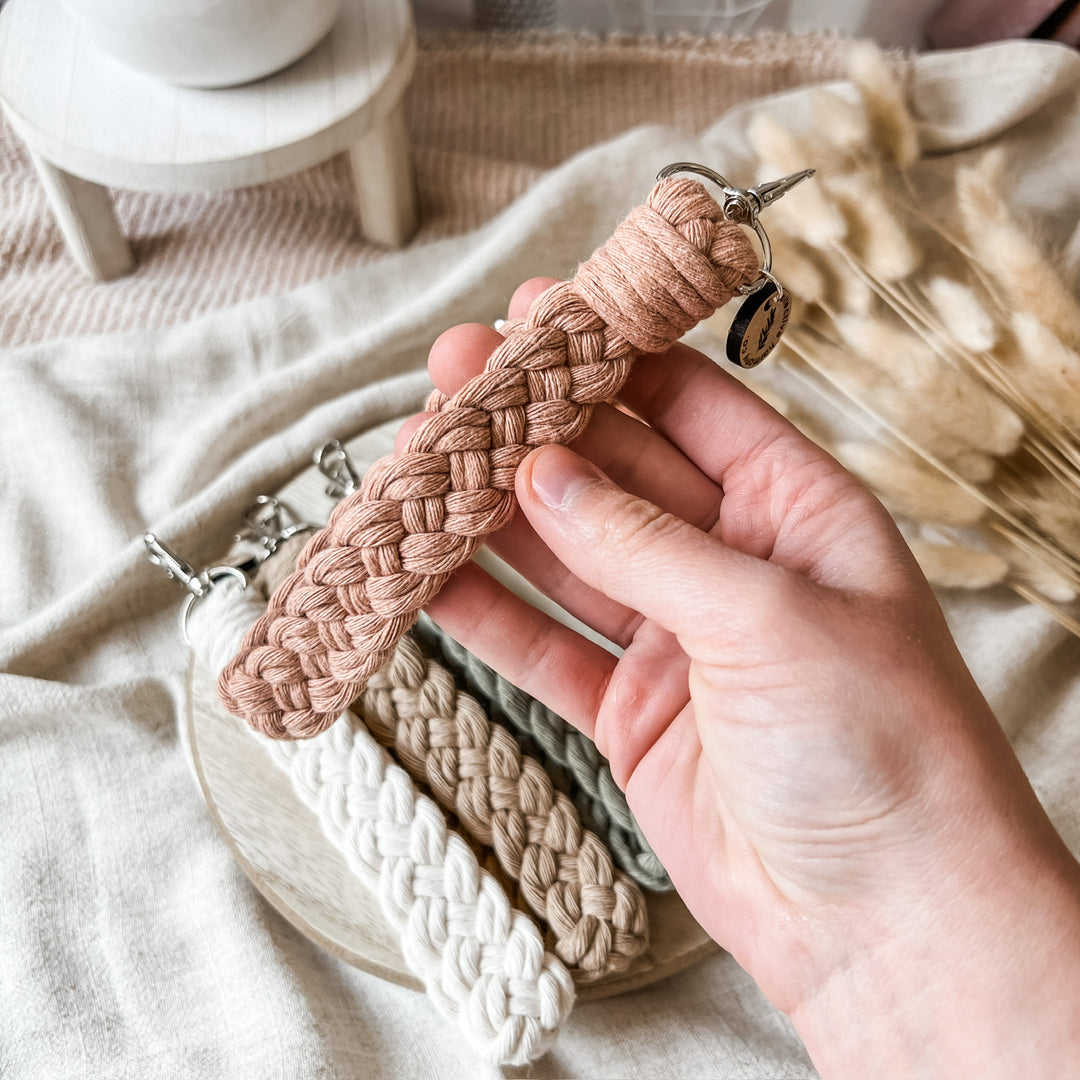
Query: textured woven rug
{"x":487,"y":115}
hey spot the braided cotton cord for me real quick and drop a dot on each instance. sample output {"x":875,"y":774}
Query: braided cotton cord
{"x":481,"y":961}
{"x":390,"y":548}
{"x":570,"y":758}
{"x":504,"y":799}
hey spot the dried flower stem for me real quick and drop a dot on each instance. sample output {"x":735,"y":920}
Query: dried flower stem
{"x":1048,"y":551}
{"x":1059,"y":616}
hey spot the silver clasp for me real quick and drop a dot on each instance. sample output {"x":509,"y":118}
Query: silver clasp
{"x":269,"y":522}
{"x":743,"y":205}
{"x":197,"y":583}
{"x":334,"y":463}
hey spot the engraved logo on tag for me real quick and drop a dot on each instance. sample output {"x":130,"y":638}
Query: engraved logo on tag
{"x":757,"y":325}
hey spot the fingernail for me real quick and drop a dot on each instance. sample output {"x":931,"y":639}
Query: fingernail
{"x":558,"y":475}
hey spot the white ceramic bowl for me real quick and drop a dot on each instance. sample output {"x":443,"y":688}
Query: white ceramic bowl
{"x":205,"y":43}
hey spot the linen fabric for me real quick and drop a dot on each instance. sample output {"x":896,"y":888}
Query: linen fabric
{"x":130,"y":942}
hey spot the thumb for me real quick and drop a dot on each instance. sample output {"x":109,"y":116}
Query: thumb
{"x":630,"y":549}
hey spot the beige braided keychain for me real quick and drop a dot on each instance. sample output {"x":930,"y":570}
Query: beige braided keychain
{"x":387,"y":550}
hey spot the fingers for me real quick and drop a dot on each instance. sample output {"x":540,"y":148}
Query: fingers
{"x":716,"y":421}
{"x":632,"y":453}
{"x":461,"y":352}
{"x":644,"y":464}
{"x":550,"y":661}
{"x":526,"y":293}
{"x":632,"y":551}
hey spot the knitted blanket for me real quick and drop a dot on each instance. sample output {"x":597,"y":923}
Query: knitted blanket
{"x":472,"y":152}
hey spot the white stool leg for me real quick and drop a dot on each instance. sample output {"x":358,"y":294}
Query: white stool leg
{"x":84,"y":211}
{"x":383,"y":180}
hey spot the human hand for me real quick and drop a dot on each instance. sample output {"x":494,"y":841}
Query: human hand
{"x":794,"y":727}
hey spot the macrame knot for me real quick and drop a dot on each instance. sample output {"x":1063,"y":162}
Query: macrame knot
{"x":669,"y":265}
{"x":387,"y":550}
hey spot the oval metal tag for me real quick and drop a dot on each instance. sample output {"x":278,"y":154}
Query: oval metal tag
{"x":757,"y":326}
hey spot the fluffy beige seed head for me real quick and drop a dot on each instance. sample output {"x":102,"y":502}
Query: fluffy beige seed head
{"x":892,"y":126}
{"x":962,"y":314}
{"x":1007,"y":255}
{"x":950,"y":566}
{"x":944,"y":408}
{"x":778,"y":145}
{"x":842,"y":125}
{"x":806,"y":213}
{"x":875,"y":233}
{"x":1042,"y":578}
{"x":795,"y":267}
{"x":909,"y":486}
{"x":1051,"y":371}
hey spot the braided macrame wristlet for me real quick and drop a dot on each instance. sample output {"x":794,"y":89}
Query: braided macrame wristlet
{"x":482,"y":962}
{"x":570,"y":758}
{"x":504,"y":799}
{"x":389,"y":549}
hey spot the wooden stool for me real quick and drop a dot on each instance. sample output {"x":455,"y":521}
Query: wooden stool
{"x":88,"y":121}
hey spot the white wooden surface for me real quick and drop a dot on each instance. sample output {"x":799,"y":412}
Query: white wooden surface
{"x":278,"y":841}
{"x":87,"y":220}
{"x":86,"y":115}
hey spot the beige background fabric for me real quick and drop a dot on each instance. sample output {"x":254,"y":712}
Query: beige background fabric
{"x":487,"y":115}
{"x":130,"y":943}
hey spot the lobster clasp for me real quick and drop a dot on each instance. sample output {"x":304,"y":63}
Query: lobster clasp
{"x":197,"y":583}
{"x":743,"y":205}
{"x":334,"y":462}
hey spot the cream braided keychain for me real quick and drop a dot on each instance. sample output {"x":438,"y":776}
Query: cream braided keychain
{"x":482,"y":962}
{"x":419,"y":516}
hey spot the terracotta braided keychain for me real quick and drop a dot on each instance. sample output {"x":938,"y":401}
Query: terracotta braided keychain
{"x":390,"y":548}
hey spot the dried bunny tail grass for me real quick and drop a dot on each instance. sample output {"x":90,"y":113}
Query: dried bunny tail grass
{"x":1006,"y":255}
{"x":798,"y":270}
{"x":890,"y":347}
{"x":875,"y":232}
{"x":777,"y":144}
{"x":892,"y":127}
{"x":1050,"y":503}
{"x":842,"y":125}
{"x":962,"y":314}
{"x":949,"y":566}
{"x":974,"y":465}
{"x":839,"y":374}
{"x":948,"y":408}
{"x":848,"y":293}
{"x":1051,"y":371}
{"x":1044,"y":580}
{"x":909,"y":486}
{"x":805,"y":213}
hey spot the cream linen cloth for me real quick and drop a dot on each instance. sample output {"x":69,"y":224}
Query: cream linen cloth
{"x":131,"y":945}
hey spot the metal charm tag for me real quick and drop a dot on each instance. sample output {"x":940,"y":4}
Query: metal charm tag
{"x":758,"y":324}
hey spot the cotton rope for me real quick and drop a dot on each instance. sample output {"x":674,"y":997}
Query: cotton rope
{"x":570,"y":758}
{"x":504,"y":799}
{"x":387,"y":550}
{"x":482,"y":962}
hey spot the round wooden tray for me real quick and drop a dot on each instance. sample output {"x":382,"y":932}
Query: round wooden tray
{"x":279,"y":845}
